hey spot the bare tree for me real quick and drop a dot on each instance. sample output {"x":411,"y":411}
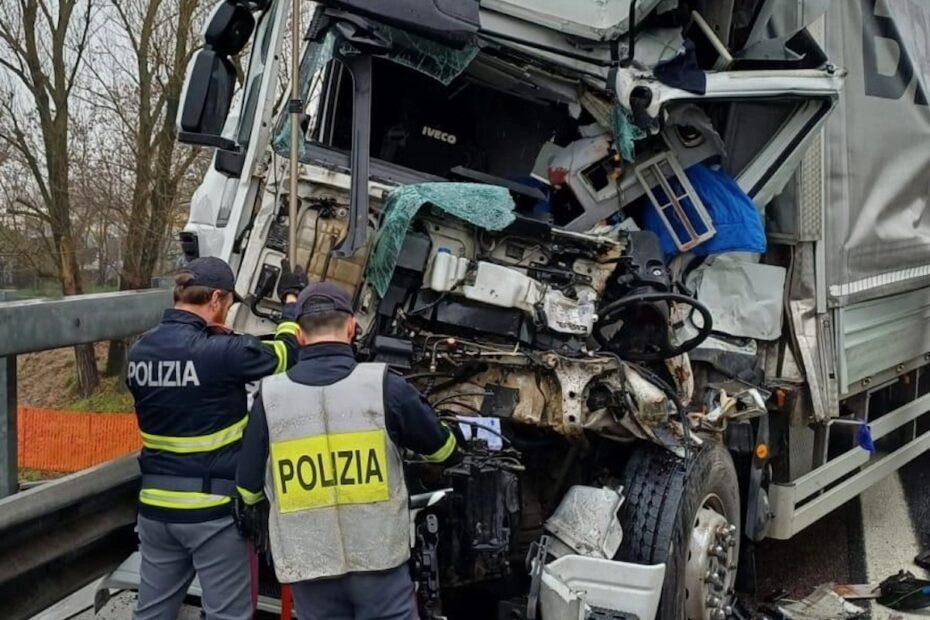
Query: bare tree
{"x":100,"y":185}
{"x":140,"y":87}
{"x":42,"y":45}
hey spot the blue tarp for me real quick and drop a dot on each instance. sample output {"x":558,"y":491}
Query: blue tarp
{"x":737,"y":221}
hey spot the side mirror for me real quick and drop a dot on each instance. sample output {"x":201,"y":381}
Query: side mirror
{"x":211,"y":77}
{"x":229,"y":28}
{"x":207,"y":95}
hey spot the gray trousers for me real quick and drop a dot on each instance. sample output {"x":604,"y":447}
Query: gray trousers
{"x":173,"y":552}
{"x":386,"y":595}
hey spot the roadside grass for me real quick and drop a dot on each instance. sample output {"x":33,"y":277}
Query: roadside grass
{"x":36,"y":475}
{"x":110,"y":397}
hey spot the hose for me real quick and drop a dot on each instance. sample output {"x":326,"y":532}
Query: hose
{"x":452,"y":418}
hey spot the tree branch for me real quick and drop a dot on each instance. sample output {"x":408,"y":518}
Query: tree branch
{"x":82,"y":46}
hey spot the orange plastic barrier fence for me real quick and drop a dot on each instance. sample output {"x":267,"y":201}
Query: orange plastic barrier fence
{"x":68,"y":441}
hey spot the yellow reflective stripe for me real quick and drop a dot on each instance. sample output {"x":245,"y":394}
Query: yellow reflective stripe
{"x":184,"y":500}
{"x":444,"y":452}
{"x":287,"y":327}
{"x":199,"y":443}
{"x":280,"y":351}
{"x":250,"y":498}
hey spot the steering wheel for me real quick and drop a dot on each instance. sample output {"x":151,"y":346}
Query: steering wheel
{"x":663,"y":351}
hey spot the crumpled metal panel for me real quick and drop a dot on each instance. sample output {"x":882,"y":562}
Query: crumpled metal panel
{"x":600,"y":20}
{"x":744,"y":298}
{"x":804,"y":324}
{"x":586,"y":521}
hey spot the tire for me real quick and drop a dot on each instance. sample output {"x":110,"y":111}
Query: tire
{"x":663,"y":498}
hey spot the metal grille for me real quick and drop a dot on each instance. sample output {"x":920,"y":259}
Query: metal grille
{"x":810,"y":192}
{"x":810,"y":175}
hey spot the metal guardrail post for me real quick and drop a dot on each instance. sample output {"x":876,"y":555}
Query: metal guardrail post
{"x":9,"y":472}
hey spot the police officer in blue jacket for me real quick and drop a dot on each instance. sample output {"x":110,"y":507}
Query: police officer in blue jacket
{"x":324,"y":440}
{"x":188,"y":378}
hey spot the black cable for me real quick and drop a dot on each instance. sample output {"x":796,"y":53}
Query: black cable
{"x":436,"y":302}
{"x":329,"y":256}
{"x":422,"y":375}
{"x":451,"y":396}
{"x":316,"y":234}
{"x":464,"y":406}
{"x":453,"y":418}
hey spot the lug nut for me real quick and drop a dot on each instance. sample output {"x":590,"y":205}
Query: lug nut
{"x":714,"y":579}
{"x":719,"y":614}
{"x":712,"y":601}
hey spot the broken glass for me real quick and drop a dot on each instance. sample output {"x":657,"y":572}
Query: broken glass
{"x":438,"y":61}
{"x":626,"y":133}
{"x":487,"y":206}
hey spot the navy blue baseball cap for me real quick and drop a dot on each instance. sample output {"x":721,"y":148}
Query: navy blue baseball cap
{"x":212,"y":272}
{"x":320,"y":297}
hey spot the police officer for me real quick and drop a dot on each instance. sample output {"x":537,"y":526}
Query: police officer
{"x":338,"y":519}
{"x":188,"y":378}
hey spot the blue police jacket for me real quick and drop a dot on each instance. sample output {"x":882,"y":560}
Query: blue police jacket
{"x":189,"y":380}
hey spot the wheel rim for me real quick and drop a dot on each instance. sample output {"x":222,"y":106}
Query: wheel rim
{"x":710,"y":570}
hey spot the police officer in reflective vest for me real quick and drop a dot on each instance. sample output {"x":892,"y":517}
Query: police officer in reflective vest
{"x":188,"y":378}
{"x":324,"y":439}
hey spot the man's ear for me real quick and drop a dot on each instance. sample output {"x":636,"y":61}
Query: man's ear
{"x":301,"y":338}
{"x":218,"y":297}
{"x":351,"y":326}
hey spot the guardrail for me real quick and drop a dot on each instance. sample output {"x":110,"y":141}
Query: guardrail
{"x":60,"y":535}
{"x":42,"y":324}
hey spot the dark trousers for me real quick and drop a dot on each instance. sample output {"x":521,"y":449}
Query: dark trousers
{"x":385,"y":595}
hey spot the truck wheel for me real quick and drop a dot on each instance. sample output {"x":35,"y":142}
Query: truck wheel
{"x":687,"y":517}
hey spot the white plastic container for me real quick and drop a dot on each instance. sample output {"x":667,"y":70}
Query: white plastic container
{"x":447,"y":270}
{"x":505,"y":287}
{"x":573,"y":581}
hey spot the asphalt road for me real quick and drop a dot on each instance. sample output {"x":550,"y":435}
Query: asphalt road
{"x":864,"y":541}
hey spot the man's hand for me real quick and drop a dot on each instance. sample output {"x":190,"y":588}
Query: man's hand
{"x":252,"y":522}
{"x":291,"y":282}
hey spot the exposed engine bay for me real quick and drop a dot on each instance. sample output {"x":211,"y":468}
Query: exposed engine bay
{"x":532,"y":326}
{"x":525,"y":340}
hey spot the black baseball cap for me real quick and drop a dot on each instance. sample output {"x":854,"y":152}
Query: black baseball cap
{"x":212,"y":272}
{"x":320,"y":297}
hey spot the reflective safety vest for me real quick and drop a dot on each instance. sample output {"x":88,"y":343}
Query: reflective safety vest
{"x":335,"y":479}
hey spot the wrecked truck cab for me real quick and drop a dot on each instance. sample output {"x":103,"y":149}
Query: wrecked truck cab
{"x":550,"y":217}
